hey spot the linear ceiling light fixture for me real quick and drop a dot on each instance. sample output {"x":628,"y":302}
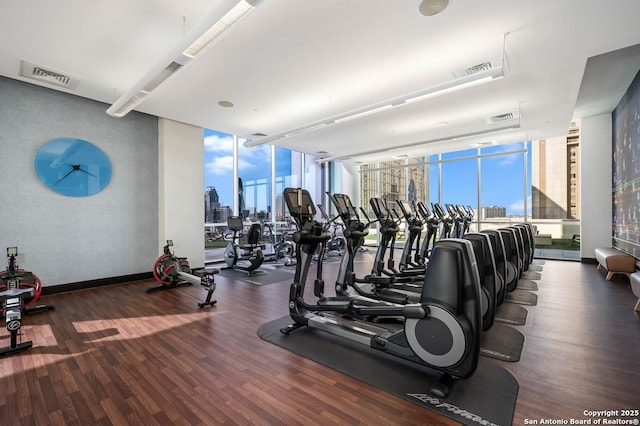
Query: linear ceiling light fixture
{"x":201,"y":38}
{"x":474,"y":76}
{"x":484,"y":132}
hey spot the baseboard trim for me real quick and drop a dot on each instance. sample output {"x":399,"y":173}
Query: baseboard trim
{"x":62,"y":288}
{"x":590,"y":260}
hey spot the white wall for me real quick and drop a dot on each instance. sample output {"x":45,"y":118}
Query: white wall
{"x":64,"y":239}
{"x":350,"y":181}
{"x":181,"y":189}
{"x":595,"y":188}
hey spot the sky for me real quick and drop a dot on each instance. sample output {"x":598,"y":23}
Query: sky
{"x":502,"y":177}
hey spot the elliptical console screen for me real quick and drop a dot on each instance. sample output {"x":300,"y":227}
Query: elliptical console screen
{"x":12,"y":251}
{"x":377,"y":204}
{"x":344,"y":206}
{"x":406,"y":207}
{"x":299,"y":202}
{"x":234,"y":223}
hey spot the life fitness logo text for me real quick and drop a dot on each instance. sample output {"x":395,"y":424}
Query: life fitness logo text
{"x":436,"y":403}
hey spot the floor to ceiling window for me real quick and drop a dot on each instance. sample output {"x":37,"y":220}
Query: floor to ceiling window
{"x":218,"y":163}
{"x":535,"y":182}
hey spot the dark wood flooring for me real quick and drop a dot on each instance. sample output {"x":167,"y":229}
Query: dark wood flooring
{"x":116,"y":355}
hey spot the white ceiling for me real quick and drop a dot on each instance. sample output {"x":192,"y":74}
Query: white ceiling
{"x":291,"y":63}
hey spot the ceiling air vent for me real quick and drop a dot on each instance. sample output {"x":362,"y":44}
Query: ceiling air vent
{"x":483,"y":66}
{"x":487,"y":65}
{"x":48,"y":75}
{"x":501,"y":118}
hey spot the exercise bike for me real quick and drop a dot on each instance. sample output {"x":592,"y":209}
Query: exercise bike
{"x":172,"y":271}
{"x":18,"y":289}
{"x":248,"y":257}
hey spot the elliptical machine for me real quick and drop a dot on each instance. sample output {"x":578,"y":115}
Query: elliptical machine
{"x":432,"y":229}
{"x":172,"y":271}
{"x":441,"y":332}
{"x":247,"y":257}
{"x":18,"y":289}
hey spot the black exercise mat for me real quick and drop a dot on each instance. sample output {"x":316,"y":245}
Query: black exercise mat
{"x":525,"y":284}
{"x":488,"y":396}
{"x":502,"y":342}
{"x":511,"y":313}
{"x":521,"y":297}
{"x":529,"y":275}
{"x":262,"y":276}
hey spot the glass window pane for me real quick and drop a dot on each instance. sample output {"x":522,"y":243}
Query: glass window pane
{"x":254,"y":169}
{"x":433,"y":195}
{"x":502,"y":149}
{"x":368,"y":186}
{"x":502,"y":191}
{"x":416,"y":190}
{"x":460,"y":182}
{"x":218,"y":182}
{"x":288,"y":175}
{"x":460,"y":154}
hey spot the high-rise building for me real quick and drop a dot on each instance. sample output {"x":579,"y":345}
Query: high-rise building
{"x":211,"y":203}
{"x":555,"y":176}
{"x":493,"y":211}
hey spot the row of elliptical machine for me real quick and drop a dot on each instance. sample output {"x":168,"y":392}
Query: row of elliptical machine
{"x":482,"y":250}
{"x":19,"y":290}
{"x":389,"y":287}
{"x":441,"y":332}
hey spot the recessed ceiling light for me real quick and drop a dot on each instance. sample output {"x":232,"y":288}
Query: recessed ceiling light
{"x":432,"y":7}
{"x":483,"y":144}
{"x":226,"y":104}
{"x":442,"y":123}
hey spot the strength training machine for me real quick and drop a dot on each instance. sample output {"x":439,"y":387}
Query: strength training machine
{"x":172,"y":271}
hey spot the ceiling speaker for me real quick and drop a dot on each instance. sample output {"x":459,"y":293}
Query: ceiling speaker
{"x":433,"y":7}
